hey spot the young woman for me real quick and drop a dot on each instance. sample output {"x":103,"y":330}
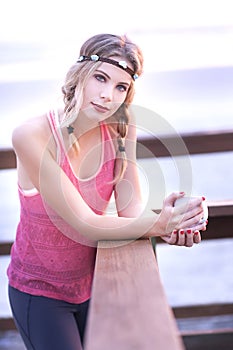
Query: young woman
{"x":70,"y":162}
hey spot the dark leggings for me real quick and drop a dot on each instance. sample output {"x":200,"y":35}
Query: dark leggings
{"x":46,"y":323}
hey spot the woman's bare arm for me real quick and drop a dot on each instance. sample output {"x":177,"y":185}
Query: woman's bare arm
{"x":34,"y":148}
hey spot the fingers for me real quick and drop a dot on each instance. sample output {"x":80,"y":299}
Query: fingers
{"x":173,"y":237}
{"x":200,"y":226}
{"x":170,"y":200}
{"x":194,"y":222}
{"x":191,"y":211}
{"x":197,"y":236}
{"x":185,"y":237}
{"x":192,"y":237}
{"x":180,"y":212}
{"x":189,"y":238}
{"x":181,"y":237}
{"x":193,"y":219}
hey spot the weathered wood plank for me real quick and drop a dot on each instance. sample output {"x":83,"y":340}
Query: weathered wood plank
{"x":7,"y":158}
{"x":192,"y":143}
{"x":5,"y":248}
{"x":219,"y":227}
{"x":221,"y":208}
{"x":7,"y":324}
{"x":217,"y":340}
{"x":203,"y":310}
{"x":129,"y":309}
{"x":189,"y":143}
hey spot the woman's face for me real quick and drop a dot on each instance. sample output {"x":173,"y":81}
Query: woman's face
{"x":106,"y":89}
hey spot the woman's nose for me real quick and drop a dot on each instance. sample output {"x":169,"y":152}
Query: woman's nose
{"x":107,"y":93}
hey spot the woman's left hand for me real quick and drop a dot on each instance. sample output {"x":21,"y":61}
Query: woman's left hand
{"x":182,"y":237}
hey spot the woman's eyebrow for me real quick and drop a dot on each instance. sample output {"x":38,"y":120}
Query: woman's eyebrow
{"x":104,"y":73}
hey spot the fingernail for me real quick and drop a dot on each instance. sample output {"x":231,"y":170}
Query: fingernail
{"x":203,"y":198}
{"x":196,"y":232}
{"x":175,"y":232}
{"x":181,"y":232}
{"x":189,"y":231}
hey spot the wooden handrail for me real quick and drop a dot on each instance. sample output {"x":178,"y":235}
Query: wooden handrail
{"x":129,"y":309}
{"x":206,"y":310}
{"x":7,"y":158}
{"x":188,"y":143}
{"x":221,"y":208}
{"x":219,"y":226}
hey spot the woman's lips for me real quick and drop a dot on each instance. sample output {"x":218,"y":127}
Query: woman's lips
{"x":100,"y":108}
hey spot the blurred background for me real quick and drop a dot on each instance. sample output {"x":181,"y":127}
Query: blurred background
{"x":187,"y":47}
{"x":187,"y":81}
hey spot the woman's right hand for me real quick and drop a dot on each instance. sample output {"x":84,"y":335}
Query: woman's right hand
{"x":174,"y":218}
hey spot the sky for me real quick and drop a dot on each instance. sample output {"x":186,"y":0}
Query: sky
{"x":30,"y":20}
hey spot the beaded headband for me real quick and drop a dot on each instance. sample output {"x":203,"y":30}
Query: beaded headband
{"x":121,"y":64}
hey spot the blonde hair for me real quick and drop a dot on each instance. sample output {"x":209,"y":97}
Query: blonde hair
{"x":103,"y":45}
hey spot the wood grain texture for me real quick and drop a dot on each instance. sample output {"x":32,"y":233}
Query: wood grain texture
{"x":129,"y":309}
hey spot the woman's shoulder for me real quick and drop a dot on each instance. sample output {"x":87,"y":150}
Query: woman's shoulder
{"x":35,"y":129}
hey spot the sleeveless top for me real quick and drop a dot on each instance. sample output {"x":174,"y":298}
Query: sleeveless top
{"x":44,"y":261}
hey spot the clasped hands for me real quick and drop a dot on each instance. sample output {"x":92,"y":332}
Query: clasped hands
{"x":182,"y":224}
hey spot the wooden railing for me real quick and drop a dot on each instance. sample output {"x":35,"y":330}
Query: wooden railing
{"x":129,"y":309}
{"x":195,"y":143}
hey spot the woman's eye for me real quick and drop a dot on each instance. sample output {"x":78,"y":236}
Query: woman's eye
{"x":122,"y":88}
{"x":100,"y":78}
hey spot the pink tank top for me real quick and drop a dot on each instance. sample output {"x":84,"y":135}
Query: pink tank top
{"x":43,"y":260}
